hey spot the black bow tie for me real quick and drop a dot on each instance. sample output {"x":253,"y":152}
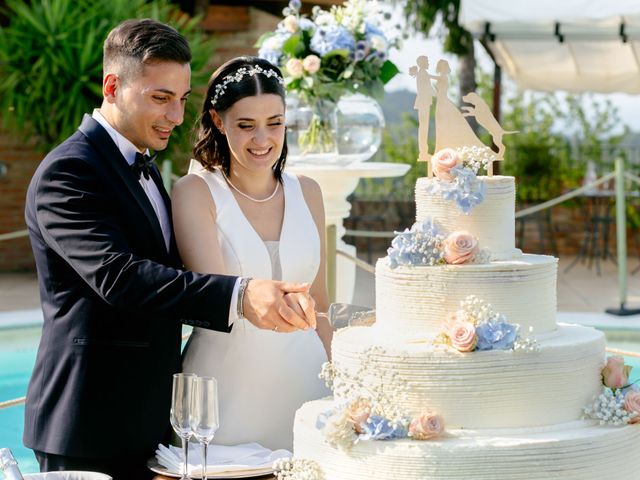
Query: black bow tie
{"x":142,"y":165}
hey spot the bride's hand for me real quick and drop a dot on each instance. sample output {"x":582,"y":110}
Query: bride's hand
{"x":265,"y":306}
{"x":304,"y":305}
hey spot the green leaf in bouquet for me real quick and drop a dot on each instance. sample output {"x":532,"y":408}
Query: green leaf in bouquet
{"x":307,"y":82}
{"x":294,"y":46}
{"x":374,"y":88}
{"x":292,"y":83}
{"x":348,"y":72}
{"x":263,"y":38}
{"x":338,"y":52}
{"x":389,"y":70}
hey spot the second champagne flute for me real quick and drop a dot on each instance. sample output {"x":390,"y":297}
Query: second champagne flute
{"x":204,"y":417}
{"x":181,"y":399}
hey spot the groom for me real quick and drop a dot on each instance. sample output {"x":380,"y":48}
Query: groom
{"x":111,"y":286}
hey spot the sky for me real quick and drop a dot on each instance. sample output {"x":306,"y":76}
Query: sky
{"x":628,"y":105}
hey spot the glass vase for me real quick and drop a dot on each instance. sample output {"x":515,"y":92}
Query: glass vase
{"x":312,"y":130}
{"x":360,"y":127}
{"x":326,"y":133}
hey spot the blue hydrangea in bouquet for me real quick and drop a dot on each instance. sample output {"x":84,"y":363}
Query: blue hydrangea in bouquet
{"x":342,"y":50}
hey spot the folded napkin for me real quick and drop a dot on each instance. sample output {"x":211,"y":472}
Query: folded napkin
{"x":220,"y":458}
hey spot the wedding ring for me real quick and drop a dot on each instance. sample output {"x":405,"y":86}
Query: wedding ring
{"x":275,"y":329}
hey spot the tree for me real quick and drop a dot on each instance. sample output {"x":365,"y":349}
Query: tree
{"x":51,"y":64}
{"x":422,"y":15}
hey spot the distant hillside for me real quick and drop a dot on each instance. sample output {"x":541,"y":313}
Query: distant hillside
{"x":396,"y":103}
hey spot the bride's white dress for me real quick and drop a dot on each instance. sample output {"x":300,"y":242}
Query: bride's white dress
{"x":263,"y":376}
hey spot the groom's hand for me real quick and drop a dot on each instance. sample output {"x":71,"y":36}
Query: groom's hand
{"x":265,"y":306}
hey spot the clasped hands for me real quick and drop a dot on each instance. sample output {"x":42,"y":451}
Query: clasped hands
{"x":279,"y":306}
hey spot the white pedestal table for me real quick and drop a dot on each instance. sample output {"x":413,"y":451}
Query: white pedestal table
{"x":337,"y":183}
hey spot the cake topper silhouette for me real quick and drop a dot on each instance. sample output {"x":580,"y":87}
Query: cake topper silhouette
{"x":451,"y":127}
{"x":424,"y":99}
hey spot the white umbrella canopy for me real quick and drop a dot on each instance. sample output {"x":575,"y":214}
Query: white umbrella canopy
{"x":572,"y":45}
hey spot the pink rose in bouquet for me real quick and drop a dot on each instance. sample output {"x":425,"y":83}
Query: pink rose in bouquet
{"x":462,"y":335}
{"x":294,"y":67}
{"x":632,"y":405}
{"x":426,"y":426}
{"x":460,"y":247}
{"x":311,"y":63}
{"x":442,"y":162}
{"x":615,"y":374}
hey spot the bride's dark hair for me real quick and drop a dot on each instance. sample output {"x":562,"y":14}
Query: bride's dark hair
{"x":211,"y":148}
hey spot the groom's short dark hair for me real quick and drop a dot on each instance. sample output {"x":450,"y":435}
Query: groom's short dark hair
{"x":135,"y":43}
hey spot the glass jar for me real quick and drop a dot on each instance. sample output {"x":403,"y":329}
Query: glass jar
{"x":360,"y":126}
{"x":311,"y":131}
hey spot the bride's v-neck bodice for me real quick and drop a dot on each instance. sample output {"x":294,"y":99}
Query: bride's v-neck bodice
{"x":243,"y":250}
{"x":263,"y":376}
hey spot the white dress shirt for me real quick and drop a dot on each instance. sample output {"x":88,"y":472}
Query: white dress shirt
{"x":128,"y":151}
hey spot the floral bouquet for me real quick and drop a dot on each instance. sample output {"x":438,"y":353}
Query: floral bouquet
{"x":456,"y":173}
{"x":619,"y":401}
{"x":343,"y":50}
{"x":477,"y":327}
{"x":424,"y":244}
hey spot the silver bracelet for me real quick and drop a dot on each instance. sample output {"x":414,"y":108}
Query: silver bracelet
{"x":242,"y":288}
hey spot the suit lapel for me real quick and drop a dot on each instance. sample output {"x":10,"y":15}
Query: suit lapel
{"x":109,"y":151}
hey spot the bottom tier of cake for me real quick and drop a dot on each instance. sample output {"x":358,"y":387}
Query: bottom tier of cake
{"x":580,"y":450}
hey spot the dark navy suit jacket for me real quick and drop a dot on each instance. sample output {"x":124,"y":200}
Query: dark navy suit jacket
{"x":112,"y":298}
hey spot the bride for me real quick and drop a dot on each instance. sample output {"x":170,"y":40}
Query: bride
{"x":238,"y":213}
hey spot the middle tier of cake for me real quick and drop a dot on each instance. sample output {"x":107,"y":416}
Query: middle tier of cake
{"x":417,"y":299}
{"x":483,"y":389}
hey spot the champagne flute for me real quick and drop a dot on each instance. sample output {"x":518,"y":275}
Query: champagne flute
{"x":204,"y":417}
{"x":181,"y":399}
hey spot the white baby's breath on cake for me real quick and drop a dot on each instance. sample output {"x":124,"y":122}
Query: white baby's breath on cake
{"x":297,"y":469}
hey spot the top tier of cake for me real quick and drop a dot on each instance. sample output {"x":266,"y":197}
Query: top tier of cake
{"x":492,"y":222}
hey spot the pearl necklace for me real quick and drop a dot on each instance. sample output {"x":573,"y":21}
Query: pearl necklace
{"x":257,"y":200}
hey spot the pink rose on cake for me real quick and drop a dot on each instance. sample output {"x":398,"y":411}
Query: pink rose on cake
{"x":442,"y":162}
{"x":426,"y":426}
{"x":615,"y":374}
{"x":462,"y":335}
{"x":453,"y":318}
{"x":632,"y":405}
{"x":358,"y":413}
{"x":460,"y":247}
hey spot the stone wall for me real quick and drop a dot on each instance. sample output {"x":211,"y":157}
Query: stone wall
{"x":236,"y":30}
{"x":21,"y":160}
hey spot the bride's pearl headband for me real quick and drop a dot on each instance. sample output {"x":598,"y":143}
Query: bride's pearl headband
{"x":239,"y":75}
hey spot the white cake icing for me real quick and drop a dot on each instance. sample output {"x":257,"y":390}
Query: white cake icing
{"x":492,"y":222}
{"x":497,"y":388}
{"x":418,"y":299}
{"x":579,"y":450}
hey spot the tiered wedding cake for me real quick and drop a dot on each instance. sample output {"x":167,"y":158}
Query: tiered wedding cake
{"x":465,"y":373}
{"x":508,"y":413}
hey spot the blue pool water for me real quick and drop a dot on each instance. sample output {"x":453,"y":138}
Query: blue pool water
{"x":17,"y":356}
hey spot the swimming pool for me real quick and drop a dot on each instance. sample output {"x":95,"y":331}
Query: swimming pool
{"x":18,"y":352}
{"x":17,"y":356}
